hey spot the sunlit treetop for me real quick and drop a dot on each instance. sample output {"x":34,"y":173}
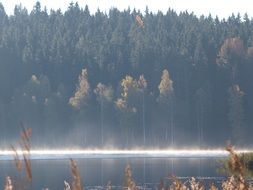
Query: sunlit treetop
{"x":139,"y":21}
{"x":120,"y":104}
{"x":166,"y":84}
{"x":128,"y":84}
{"x":230,"y":48}
{"x":142,"y":83}
{"x":130,"y":91}
{"x":104,"y":93}
{"x":82,"y":91}
{"x":34,"y":79}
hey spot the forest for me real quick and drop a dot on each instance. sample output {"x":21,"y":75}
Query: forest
{"x":125,"y":79}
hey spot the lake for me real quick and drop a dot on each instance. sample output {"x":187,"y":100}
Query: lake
{"x":97,"y":172}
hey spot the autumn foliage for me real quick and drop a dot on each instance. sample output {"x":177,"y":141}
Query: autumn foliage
{"x":231,"y":47}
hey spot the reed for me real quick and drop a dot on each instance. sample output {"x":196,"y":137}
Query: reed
{"x":26,"y":147}
{"x":66,"y":186}
{"x":8,"y":184}
{"x":17,"y":161}
{"x":213,"y":187}
{"x":235,"y":164}
{"x":196,"y":185}
{"x":129,"y":183}
{"x":76,"y":185}
{"x":177,"y":184}
{"x":109,"y":185}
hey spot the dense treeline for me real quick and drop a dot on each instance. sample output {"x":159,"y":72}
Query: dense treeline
{"x":125,"y":78}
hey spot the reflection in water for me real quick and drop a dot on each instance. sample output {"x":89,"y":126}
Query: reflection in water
{"x":102,"y":173}
{"x":200,"y":167}
{"x":146,"y":171}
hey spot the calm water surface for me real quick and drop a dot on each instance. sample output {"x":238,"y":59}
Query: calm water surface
{"x":97,"y":172}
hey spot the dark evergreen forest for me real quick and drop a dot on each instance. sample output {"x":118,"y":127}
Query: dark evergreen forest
{"x":125,"y":78}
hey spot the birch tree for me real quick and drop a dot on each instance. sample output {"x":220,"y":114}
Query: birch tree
{"x":104,"y":95}
{"x":236,"y":113}
{"x":166,"y":98}
{"x":82,"y":91}
{"x":142,"y":83}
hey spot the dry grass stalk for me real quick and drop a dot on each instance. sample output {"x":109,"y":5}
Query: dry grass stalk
{"x":235,"y":165}
{"x":177,"y":184}
{"x":213,"y":187}
{"x":25,"y":147}
{"x":196,"y":185}
{"x":76,"y":185}
{"x":25,"y":143}
{"x":161,"y":185}
{"x":109,"y":185}
{"x":28,"y":168}
{"x":25,"y":138}
{"x":129,"y":181}
{"x":18,"y":162}
{"x":66,"y":185}
{"x":8,"y":184}
{"x":235,"y":183}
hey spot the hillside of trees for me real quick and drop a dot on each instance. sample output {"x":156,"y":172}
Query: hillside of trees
{"x":125,"y":78}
